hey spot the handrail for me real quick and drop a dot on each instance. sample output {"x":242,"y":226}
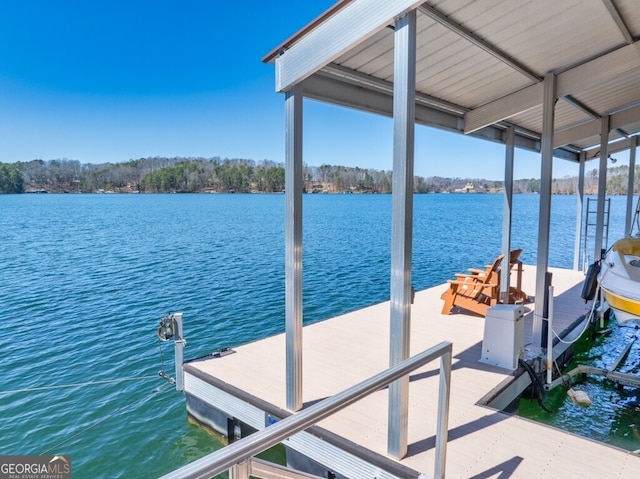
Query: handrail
{"x":242,"y":450}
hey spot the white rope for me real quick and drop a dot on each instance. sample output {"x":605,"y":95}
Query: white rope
{"x":75,"y":385}
{"x":593,"y":307}
{"x":586,"y":325}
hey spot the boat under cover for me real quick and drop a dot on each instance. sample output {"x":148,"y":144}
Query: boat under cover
{"x":619,"y":279}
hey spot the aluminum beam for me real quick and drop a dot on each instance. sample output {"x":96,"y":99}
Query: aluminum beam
{"x":544,"y":218}
{"x":592,"y":128}
{"x":623,"y":118}
{"x":622,"y":26}
{"x":503,"y":108}
{"x":507,"y":208}
{"x":293,"y":246}
{"x":579,"y":207}
{"x":471,"y":37}
{"x":328,"y":89}
{"x":593,"y":73}
{"x":614,"y":147}
{"x":578,"y":105}
{"x":401,"y":226}
{"x":432,"y":115}
{"x":602,"y":187}
{"x":370,"y":82}
{"x":344,"y":30}
{"x":576,"y":133}
{"x":630,"y":185}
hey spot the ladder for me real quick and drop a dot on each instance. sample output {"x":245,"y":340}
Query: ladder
{"x":590,"y":229}
{"x":635,"y":222}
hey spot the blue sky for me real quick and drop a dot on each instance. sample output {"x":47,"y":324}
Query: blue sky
{"x":100,"y":81}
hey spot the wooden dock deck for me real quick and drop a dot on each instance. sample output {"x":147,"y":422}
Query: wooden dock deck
{"x":483,"y":443}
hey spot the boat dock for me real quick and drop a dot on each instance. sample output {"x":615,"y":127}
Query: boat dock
{"x":246,"y":389}
{"x":442,"y":65}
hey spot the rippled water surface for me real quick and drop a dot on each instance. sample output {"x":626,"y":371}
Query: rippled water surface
{"x":85,"y":280}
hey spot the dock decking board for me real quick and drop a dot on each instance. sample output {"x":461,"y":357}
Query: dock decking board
{"x":342,"y":351}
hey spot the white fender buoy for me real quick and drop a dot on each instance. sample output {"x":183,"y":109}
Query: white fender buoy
{"x":579,"y":397}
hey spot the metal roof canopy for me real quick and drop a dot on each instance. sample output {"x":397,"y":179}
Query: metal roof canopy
{"x":548,"y":76}
{"x":480,"y":66}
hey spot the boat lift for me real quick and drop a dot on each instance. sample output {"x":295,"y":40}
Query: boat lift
{"x":611,"y":374}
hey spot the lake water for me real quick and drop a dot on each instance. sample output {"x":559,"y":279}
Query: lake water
{"x":85,"y":280}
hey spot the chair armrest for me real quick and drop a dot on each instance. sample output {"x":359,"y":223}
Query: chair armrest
{"x":472,"y":283}
{"x":477,"y":271}
{"x":466,"y":277}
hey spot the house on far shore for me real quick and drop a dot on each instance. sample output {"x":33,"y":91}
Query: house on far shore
{"x":468,"y":188}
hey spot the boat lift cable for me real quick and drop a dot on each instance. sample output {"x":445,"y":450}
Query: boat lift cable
{"x":586,"y":324}
{"x":162,"y":372}
{"x":591,"y":314}
{"x":76,"y":385}
{"x":565,"y":382}
{"x":109,"y":416}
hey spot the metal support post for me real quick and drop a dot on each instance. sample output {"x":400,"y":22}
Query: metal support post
{"x":179,"y":344}
{"x":402,"y":219}
{"x":602,"y":186}
{"x":442,"y":431}
{"x":628,"y":227}
{"x":579,"y":207}
{"x":293,"y":247}
{"x":550,"y":337}
{"x":242,"y":470}
{"x":507,"y":213}
{"x":548,"y":114}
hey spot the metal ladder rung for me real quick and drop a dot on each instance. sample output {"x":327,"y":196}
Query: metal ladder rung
{"x":591,"y":221}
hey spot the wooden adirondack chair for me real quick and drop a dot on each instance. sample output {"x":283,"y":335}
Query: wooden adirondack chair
{"x":476,"y":291}
{"x":516,"y":295}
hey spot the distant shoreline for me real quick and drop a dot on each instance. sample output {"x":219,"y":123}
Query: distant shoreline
{"x":216,"y":175}
{"x":39,"y":192}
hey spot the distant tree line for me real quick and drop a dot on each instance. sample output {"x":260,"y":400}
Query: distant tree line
{"x":157,"y":174}
{"x":242,"y":176}
{"x":10,"y":179}
{"x":178,"y":174}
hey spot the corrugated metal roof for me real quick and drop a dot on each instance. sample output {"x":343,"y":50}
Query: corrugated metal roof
{"x":470,"y":54}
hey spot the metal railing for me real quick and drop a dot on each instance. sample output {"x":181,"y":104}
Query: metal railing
{"x":236,"y":457}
